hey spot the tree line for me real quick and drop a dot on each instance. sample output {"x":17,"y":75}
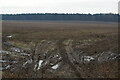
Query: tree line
{"x":62,"y":17}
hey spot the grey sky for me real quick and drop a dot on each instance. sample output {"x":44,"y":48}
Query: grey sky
{"x":59,"y":6}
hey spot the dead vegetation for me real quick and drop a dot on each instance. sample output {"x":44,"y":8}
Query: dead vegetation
{"x":60,"y":50}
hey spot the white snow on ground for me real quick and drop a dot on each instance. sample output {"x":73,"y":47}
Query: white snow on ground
{"x":16,"y":49}
{"x":55,"y":67}
{"x":105,"y":56}
{"x":35,"y":66}
{"x":9,"y":36}
{"x":87,"y":58}
{"x":40,"y":63}
{"x":25,"y":54}
{"x":29,"y":61}
{"x":57,"y":55}
{"x":7,"y":67}
{"x":2,"y":61}
{"x":1,"y":68}
{"x":4,"y":52}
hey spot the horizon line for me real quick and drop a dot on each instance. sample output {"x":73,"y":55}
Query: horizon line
{"x":56,"y":13}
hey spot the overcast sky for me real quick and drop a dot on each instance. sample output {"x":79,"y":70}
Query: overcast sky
{"x":59,"y":6}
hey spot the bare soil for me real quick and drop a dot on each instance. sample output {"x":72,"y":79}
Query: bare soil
{"x":91,"y":38}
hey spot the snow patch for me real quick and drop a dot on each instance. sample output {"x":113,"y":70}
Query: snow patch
{"x":40,"y":63}
{"x":5,"y":52}
{"x":29,"y":61}
{"x":9,"y":36}
{"x":2,"y":61}
{"x":87,"y":58}
{"x":25,"y":54}
{"x":55,"y":67}
{"x":16,"y":49}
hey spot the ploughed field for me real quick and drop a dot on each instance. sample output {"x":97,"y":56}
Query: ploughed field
{"x":59,"y":49}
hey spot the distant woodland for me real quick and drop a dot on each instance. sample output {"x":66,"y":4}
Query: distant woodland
{"x":62,"y":17}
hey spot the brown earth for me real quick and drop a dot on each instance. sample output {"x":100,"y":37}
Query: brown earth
{"x":90,"y":37}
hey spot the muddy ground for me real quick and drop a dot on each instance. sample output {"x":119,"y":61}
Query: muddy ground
{"x":57,"y":49}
